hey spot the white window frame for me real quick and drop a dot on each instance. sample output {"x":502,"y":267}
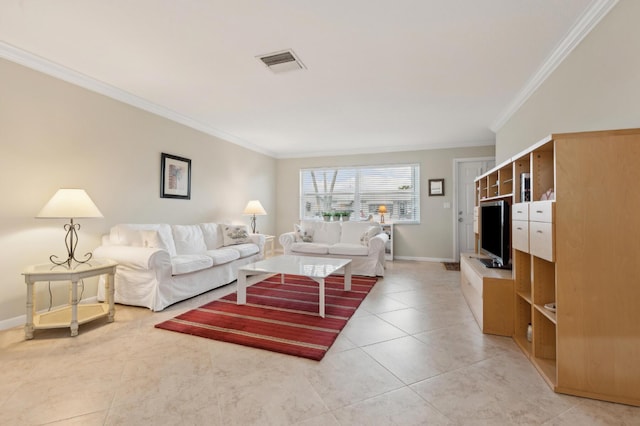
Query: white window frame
{"x":396,"y":198}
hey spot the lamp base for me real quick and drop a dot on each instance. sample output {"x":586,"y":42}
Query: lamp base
{"x":70,"y":241}
{"x":253,"y":224}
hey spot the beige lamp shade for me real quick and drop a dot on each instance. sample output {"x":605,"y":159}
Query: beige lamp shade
{"x":254,"y":208}
{"x":70,"y":203}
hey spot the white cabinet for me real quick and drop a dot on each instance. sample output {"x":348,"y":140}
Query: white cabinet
{"x":388,"y":250}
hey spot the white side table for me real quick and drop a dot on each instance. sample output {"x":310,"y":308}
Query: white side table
{"x":73,"y":314}
{"x":270,"y":240}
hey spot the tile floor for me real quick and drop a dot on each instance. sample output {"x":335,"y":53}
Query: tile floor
{"x":411,"y":355}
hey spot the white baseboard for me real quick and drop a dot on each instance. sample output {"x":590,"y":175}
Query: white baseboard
{"x":13,"y":322}
{"x":423,"y":259}
{"x":21,"y":320}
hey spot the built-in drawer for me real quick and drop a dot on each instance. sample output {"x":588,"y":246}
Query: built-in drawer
{"x":541,"y":242}
{"x":520,"y":235}
{"x":520,"y":211}
{"x":472,"y":278}
{"x":471,"y":286}
{"x":541,"y":211}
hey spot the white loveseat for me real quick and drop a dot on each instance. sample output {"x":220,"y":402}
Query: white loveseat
{"x":161,"y":264}
{"x":362,"y":242}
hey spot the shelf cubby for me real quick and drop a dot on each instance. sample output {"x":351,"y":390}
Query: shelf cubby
{"x":505,"y":179}
{"x":492,"y":185}
{"x":522,"y":321}
{"x":542,"y":174}
{"x":544,"y":345}
{"x":521,"y":165}
{"x":544,"y":283}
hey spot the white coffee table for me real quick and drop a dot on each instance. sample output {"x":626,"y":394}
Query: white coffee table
{"x":316,"y":268}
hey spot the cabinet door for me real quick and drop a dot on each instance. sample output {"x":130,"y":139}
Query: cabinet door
{"x":520,"y":237}
{"x":541,"y":211}
{"x":520,"y":211}
{"x":541,"y":240}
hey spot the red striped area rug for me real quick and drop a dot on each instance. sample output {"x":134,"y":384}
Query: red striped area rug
{"x":278,"y":317}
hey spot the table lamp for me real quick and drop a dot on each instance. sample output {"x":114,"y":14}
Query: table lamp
{"x":382,"y":210}
{"x":254,"y":208}
{"x":69,"y":204}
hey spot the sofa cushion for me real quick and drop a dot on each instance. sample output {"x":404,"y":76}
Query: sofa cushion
{"x":235,"y":234}
{"x":245,"y":250}
{"x":223,"y":255}
{"x":188,"y":239}
{"x":129,"y":234}
{"x":304,"y":234}
{"x":310,"y":248}
{"x":352,"y":231}
{"x":185,"y":263}
{"x":323,"y":232}
{"x":212,"y":235}
{"x":348,"y":249}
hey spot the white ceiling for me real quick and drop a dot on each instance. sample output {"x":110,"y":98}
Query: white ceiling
{"x":381,"y":75}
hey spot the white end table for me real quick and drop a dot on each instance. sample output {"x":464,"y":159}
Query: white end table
{"x":73,"y":314}
{"x":270,"y":240}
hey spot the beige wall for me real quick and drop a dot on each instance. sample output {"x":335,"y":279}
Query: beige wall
{"x":596,"y":88}
{"x":432,"y":238}
{"x":55,"y":134}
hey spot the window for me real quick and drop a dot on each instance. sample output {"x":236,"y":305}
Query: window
{"x":358,"y":192}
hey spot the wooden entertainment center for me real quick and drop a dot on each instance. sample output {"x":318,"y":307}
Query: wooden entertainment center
{"x":575,"y":244}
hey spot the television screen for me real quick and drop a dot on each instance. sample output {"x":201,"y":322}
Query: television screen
{"x":494,"y":231}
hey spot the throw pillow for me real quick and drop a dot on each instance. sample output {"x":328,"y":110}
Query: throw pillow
{"x":371,"y":232}
{"x":303,"y":235}
{"x":235,"y":234}
{"x":152,"y":239}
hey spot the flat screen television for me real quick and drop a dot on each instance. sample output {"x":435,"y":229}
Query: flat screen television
{"x":494,"y":234}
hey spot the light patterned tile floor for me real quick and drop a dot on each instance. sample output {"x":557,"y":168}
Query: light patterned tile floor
{"x":412,"y":355}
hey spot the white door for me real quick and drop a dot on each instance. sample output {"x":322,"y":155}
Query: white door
{"x":467,"y":171}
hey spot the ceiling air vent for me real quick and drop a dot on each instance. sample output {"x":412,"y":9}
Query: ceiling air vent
{"x":282,"y":61}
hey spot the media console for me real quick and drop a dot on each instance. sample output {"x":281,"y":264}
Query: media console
{"x":489,"y":294}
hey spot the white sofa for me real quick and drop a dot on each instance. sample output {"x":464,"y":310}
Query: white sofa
{"x":362,"y":242}
{"x":161,"y":264}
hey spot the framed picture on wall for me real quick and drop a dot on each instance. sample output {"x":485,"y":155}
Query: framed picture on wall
{"x":436,"y":187}
{"x":175,"y":177}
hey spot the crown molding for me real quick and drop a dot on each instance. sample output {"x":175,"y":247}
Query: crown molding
{"x":587,"y":22}
{"x":385,"y":149}
{"x":45,"y":66}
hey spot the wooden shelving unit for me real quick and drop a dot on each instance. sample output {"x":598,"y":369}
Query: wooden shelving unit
{"x":579,"y":253}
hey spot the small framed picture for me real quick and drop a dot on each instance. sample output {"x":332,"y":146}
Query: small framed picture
{"x":175,"y":177}
{"x":436,"y":187}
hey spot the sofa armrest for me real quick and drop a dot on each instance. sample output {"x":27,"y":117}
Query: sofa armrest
{"x":377,"y":244}
{"x":259,"y":240}
{"x":287,"y":239}
{"x":135,"y":257}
